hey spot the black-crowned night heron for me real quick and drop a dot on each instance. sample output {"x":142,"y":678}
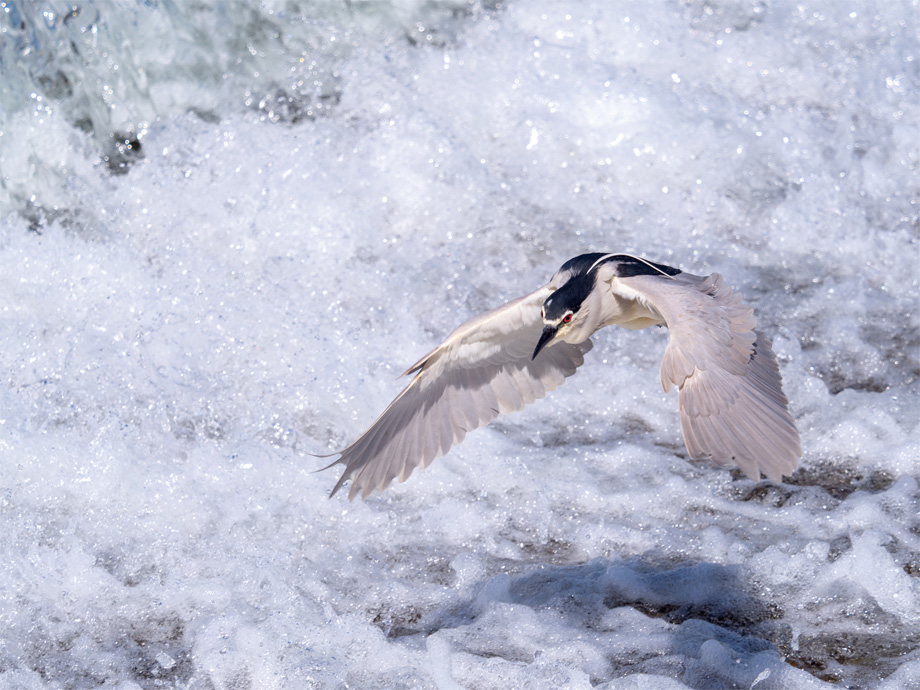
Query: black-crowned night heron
{"x":732,"y":406}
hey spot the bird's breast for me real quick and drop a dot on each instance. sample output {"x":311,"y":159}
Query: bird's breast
{"x":627,"y":307}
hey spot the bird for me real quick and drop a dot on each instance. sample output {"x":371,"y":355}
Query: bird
{"x":732,"y":405}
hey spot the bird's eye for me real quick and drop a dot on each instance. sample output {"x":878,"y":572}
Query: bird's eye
{"x":542,"y":313}
{"x":566,"y":318}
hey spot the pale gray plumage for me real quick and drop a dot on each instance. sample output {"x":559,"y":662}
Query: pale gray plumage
{"x":731,"y":400}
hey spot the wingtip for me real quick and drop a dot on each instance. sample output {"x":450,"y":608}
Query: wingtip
{"x":773,"y":476}
{"x":330,"y":465}
{"x":776,"y":471}
{"x":341,"y":481}
{"x":339,"y":484}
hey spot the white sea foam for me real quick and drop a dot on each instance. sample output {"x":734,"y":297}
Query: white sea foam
{"x":182,"y":324}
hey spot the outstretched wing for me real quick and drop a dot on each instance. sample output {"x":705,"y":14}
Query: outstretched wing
{"x":732,"y":406}
{"x":483,"y":369}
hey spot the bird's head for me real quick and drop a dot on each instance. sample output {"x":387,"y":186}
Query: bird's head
{"x":564,"y":313}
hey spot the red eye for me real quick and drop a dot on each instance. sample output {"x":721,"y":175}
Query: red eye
{"x":566,"y":318}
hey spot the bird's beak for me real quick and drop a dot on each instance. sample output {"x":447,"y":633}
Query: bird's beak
{"x":549,"y":332}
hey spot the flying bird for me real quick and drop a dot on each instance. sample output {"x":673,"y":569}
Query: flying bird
{"x":732,"y":406}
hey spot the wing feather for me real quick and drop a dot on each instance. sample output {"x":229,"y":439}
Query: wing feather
{"x":483,"y":369}
{"x":730,"y":390}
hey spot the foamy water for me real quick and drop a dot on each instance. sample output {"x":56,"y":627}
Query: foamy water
{"x":226,"y":230}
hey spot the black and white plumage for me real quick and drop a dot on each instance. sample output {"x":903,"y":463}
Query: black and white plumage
{"x":732,"y":405}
